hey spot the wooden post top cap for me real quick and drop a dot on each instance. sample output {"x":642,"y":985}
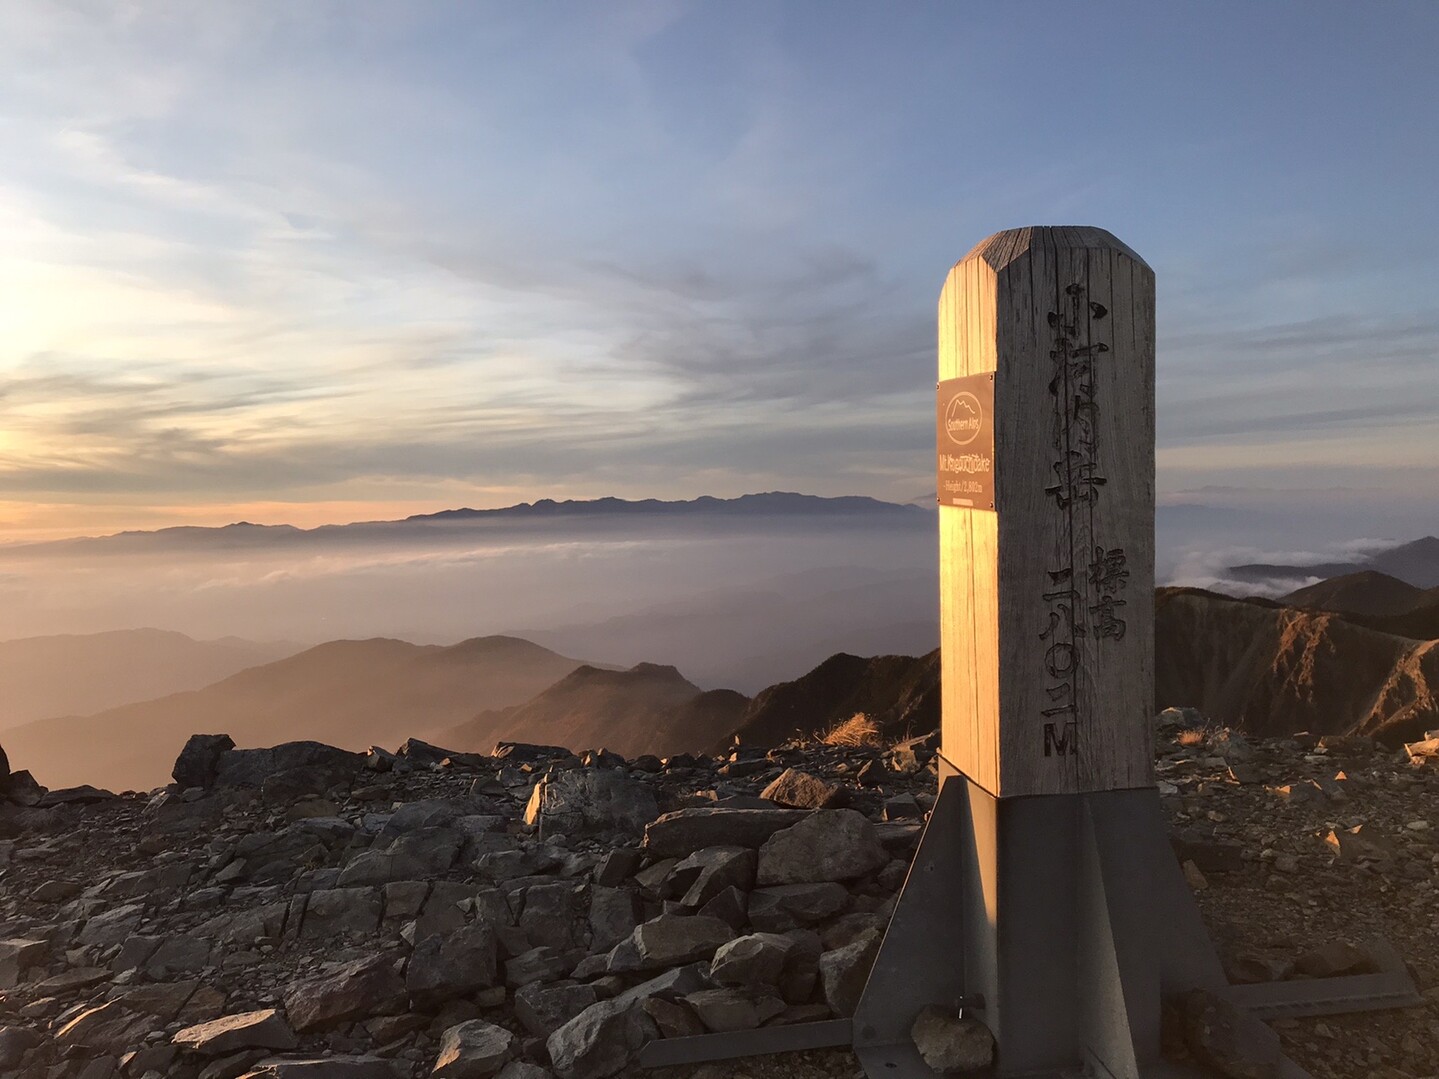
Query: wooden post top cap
{"x":1005,"y":247}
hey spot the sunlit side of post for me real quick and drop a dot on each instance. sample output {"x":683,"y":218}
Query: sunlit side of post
{"x":1046,"y":600}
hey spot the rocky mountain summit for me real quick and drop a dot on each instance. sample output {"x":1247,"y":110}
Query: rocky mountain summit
{"x":305,"y":912}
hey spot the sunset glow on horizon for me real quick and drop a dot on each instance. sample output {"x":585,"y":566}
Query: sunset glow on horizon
{"x":324,"y":263}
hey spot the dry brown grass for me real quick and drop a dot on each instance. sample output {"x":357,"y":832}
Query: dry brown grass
{"x":857,"y":730}
{"x":1192,"y":737}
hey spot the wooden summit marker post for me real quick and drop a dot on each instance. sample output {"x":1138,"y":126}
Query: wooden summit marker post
{"x":1046,"y":616}
{"x":1045,"y":901}
{"x":1047,"y":826}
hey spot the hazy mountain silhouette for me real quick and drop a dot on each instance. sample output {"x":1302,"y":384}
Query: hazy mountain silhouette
{"x":70,"y":674}
{"x":766,"y":504}
{"x":1366,"y":592}
{"x":351,"y":694}
{"x":446,"y":526}
{"x":650,"y":708}
{"x":753,"y":637}
{"x":1416,"y":563}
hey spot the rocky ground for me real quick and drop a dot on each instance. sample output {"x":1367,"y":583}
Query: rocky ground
{"x":307,"y":913}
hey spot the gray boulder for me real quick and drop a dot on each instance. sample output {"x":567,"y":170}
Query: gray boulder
{"x":251,"y":767}
{"x":801,"y":790}
{"x":949,"y":1042}
{"x":614,"y":913}
{"x":755,"y":960}
{"x":536,"y":965}
{"x":833,"y":845}
{"x":519,"y":1069}
{"x":341,"y":912}
{"x":681,"y":833}
{"x":198,"y":762}
{"x":600,"y":1040}
{"x":706,"y":873}
{"x":555,"y":914}
{"x":474,"y":1050}
{"x":444,"y":967}
{"x":22,"y":788}
{"x":15,"y":1042}
{"x":844,"y":971}
{"x":338,"y":994}
{"x":787,"y":906}
{"x":583,"y":800}
{"x":724,"y":1011}
{"x":110,"y":1027}
{"x":543,"y":1009}
{"x":669,"y":985}
{"x":671,"y":940}
{"x":263,"y":1029}
{"x":417,"y":855}
{"x":18,"y":955}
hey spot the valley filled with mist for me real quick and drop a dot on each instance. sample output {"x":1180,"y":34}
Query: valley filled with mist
{"x":641,"y":626}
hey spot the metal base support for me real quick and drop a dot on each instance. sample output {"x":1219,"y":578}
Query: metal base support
{"x":1067,"y":922}
{"x":1059,"y":921}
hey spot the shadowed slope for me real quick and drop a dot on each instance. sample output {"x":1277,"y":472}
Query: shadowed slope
{"x":77,"y":673}
{"x":647,"y":709}
{"x":1368,"y":592}
{"x":900,"y":693}
{"x":1274,"y":670}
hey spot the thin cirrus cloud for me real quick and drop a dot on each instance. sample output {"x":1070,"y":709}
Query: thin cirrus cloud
{"x":340,"y":253}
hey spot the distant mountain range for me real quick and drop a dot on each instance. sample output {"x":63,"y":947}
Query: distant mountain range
{"x":446,"y":524}
{"x":770,"y":503}
{"x":1358,"y":652}
{"x":1416,"y":563}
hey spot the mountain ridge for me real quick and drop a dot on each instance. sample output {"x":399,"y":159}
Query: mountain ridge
{"x":38,"y":674}
{"x":246,"y":534}
{"x":1415,"y":562}
{"x":353,"y":693}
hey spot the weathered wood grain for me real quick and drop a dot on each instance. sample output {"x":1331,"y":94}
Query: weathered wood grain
{"x":1045,"y":610}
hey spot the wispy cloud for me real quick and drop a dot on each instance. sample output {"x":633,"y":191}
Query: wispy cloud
{"x":346,"y":252}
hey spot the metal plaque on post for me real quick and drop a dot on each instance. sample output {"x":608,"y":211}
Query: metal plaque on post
{"x":964,"y":440}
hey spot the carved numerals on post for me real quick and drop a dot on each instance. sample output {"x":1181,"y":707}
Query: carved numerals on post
{"x":1089,"y":604}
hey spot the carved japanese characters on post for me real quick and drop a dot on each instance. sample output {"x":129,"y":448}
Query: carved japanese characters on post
{"x":1046,"y":608}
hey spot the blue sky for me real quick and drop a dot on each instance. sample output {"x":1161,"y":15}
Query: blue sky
{"x":325,"y":261}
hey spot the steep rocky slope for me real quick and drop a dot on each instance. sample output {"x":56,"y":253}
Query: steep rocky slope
{"x":900,"y":693}
{"x":349,"y":693}
{"x":1419,"y":623}
{"x":1272,"y":670}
